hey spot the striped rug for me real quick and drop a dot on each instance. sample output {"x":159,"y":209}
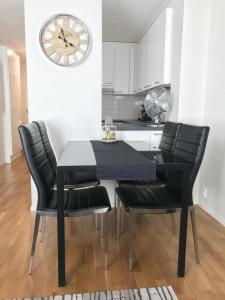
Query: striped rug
{"x":159,"y":293}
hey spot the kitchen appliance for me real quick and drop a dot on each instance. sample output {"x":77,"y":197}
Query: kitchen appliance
{"x":143,"y":115}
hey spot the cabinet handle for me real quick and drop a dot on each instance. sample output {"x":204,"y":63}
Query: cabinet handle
{"x":107,"y":83}
{"x":157,"y":134}
{"x":139,"y":89}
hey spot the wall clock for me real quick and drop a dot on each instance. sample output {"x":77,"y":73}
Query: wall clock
{"x":64,"y":39}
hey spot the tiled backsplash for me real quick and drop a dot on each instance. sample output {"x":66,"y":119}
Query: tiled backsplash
{"x":121,"y":107}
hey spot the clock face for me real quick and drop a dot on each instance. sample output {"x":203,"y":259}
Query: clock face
{"x":64,"y":40}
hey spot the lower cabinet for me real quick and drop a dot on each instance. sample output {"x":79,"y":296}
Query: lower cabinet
{"x":141,"y":140}
{"x":155,"y":138}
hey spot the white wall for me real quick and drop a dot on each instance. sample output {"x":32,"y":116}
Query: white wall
{"x":193,"y":66}
{"x":213,"y":170}
{"x":193,"y":61}
{"x":15,"y":100}
{"x":10,"y":106}
{"x":68,"y":99}
{"x":23,"y":76}
{"x":2,"y":151}
{"x":177,"y":31}
{"x":6,"y":107}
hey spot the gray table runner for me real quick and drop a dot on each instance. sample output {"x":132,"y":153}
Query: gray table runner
{"x":122,"y":162}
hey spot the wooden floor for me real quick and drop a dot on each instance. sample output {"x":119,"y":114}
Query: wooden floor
{"x":155,"y":251}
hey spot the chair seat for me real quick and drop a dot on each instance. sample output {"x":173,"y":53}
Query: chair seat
{"x":156,"y":182}
{"x":147,"y":198}
{"x":84,"y":199}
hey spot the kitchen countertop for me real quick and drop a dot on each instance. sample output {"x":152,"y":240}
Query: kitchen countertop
{"x":135,"y":125}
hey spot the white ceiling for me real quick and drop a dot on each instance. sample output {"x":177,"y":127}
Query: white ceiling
{"x":12,"y":32}
{"x":127,"y":20}
{"x":123,"y":20}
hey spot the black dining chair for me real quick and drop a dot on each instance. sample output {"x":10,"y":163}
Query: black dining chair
{"x":166,"y":147}
{"x":84,"y":179}
{"x":180,"y":174}
{"x":77,"y":202}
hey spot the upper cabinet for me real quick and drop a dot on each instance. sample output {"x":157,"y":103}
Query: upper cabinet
{"x":122,"y":68}
{"x":118,"y":67}
{"x":130,"y":68}
{"x":153,"y":54}
{"x":108,"y":59}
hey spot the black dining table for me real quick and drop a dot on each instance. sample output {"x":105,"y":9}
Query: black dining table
{"x":116,"y":161}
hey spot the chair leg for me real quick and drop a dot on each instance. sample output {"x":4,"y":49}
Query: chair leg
{"x":43,"y":220}
{"x":173,"y":222}
{"x":118,"y":218}
{"x":96,"y":222}
{"x":102,"y":226}
{"x":115,"y":199}
{"x":195,"y":234}
{"x":35,"y":234}
{"x":106,"y":229}
{"x":122,"y":217}
{"x":182,"y":242}
{"x":130,"y":241}
{"x":40,"y":224}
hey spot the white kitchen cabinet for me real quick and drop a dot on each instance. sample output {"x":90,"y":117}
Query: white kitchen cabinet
{"x":118,"y":67}
{"x":108,"y":61}
{"x":153,"y":54}
{"x":122,"y":69}
{"x":155,"y":138}
{"x":163,"y":42}
{"x":141,"y":140}
{"x":138,"y":57}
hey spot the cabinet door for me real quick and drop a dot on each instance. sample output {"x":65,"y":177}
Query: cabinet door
{"x":132,"y":69}
{"x":108,"y":58}
{"x":137,"y":68}
{"x":139,"y":140}
{"x":163,"y":42}
{"x":122,"y":69}
{"x":150,"y":58}
{"x":155,"y":138}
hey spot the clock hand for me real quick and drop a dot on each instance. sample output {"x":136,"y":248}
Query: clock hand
{"x":63,"y":38}
{"x":71,"y":45}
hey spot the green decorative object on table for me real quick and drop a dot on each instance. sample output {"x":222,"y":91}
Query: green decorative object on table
{"x":109,"y":132}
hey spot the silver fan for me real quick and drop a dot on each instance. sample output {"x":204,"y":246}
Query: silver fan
{"x":156,"y":103}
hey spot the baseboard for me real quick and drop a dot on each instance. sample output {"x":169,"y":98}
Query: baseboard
{"x":212,"y":213}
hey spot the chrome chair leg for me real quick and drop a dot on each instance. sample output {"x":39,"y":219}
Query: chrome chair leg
{"x":106,"y":229}
{"x":35,"y":234}
{"x":43,"y":220}
{"x":130,"y":241}
{"x":122,"y":217}
{"x":96,"y":222}
{"x":115,"y":198}
{"x":102,"y":226}
{"x":118,"y":218}
{"x":195,"y":235}
{"x":173,"y":222}
{"x":40,"y":224}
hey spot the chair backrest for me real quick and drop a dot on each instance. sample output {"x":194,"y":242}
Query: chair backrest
{"x":47,"y":145}
{"x":169,"y":136}
{"x":190,"y":148}
{"x":38,"y":163}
